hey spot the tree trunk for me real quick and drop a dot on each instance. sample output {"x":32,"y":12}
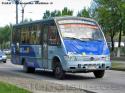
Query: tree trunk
{"x":112,"y":42}
{"x":119,"y":43}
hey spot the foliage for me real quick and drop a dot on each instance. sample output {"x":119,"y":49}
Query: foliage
{"x":5,"y":34}
{"x":56,"y":13}
{"x":7,"y":88}
{"x":110,"y":14}
{"x":83,"y":13}
{"x":47,"y":14}
{"x":66,"y":12}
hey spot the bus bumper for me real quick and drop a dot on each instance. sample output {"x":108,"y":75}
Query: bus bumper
{"x":87,"y":66}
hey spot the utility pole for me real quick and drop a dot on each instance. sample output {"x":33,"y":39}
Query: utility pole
{"x":23,"y":7}
{"x":22,"y":14}
{"x":16,"y":2}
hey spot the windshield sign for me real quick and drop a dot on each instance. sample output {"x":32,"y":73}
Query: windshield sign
{"x":76,"y":21}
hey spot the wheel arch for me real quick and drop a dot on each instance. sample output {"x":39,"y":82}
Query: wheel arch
{"x":56,"y":60}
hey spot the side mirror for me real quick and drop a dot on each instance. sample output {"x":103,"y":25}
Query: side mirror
{"x":17,"y":48}
{"x":17,"y":44}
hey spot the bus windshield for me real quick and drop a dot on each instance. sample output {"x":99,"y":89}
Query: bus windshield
{"x":80,"y":31}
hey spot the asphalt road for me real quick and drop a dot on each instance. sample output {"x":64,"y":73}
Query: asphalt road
{"x":112,"y":82}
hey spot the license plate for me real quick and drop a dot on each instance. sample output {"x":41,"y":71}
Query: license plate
{"x":91,"y":67}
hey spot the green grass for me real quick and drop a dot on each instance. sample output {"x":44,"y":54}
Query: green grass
{"x":9,"y":56}
{"x":8,"y":88}
{"x":118,"y":66}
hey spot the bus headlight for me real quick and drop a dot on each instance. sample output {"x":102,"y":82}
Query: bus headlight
{"x":106,"y":58}
{"x":70,"y":58}
{"x":76,"y":58}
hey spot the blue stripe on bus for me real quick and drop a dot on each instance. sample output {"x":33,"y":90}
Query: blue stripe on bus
{"x":28,"y":50}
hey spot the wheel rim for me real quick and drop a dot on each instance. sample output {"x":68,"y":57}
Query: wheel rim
{"x":57,"y":71}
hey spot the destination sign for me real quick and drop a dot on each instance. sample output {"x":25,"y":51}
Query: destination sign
{"x":76,"y":21}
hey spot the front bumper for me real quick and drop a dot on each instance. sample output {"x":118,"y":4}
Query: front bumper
{"x":86,"y":66}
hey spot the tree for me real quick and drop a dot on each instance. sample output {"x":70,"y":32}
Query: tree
{"x":64,"y":12}
{"x":83,"y":13}
{"x":5,"y":34}
{"x":55,"y":13}
{"x":110,"y":14}
{"x":121,"y":12}
{"x":47,"y":14}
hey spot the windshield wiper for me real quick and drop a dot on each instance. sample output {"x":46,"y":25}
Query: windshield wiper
{"x":91,"y":39}
{"x":75,"y":38}
{"x":99,"y":40}
{"x":85,"y":39}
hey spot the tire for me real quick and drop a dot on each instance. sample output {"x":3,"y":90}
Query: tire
{"x":28,"y":69}
{"x":58,"y":72}
{"x":99,"y":73}
{"x":4,"y":61}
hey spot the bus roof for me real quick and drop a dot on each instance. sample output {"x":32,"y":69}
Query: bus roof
{"x":54,"y":18}
{"x":37,"y":21}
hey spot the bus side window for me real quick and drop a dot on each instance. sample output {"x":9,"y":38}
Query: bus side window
{"x":53,"y":37}
{"x":35,"y":35}
{"x":25,"y":35}
{"x":16,"y":35}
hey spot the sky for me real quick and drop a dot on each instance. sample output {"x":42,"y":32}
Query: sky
{"x":35,"y":11}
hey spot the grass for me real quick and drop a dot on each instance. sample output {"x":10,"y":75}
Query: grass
{"x":8,"y":88}
{"x":118,"y":66}
{"x":8,"y":56}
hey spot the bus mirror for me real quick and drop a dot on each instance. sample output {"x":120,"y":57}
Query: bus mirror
{"x":17,"y":44}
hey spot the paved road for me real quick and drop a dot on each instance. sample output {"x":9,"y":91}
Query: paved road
{"x":113,"y":81}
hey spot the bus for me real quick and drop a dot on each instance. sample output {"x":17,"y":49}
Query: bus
{"x":61,"y":45}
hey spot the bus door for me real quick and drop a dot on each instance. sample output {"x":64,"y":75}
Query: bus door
{"x":45,"y":47}
{"x":15,"y":47}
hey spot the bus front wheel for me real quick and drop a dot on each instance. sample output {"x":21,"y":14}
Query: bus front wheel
{"x":4,"y":61}
{"x":58,"y":71}
{"x":28,"y":69}
{"x":99,"y":73}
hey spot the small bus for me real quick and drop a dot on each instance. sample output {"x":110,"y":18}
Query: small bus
{"x":61,"y":45}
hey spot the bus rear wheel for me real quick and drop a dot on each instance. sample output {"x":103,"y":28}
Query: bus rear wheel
{"x":28,"y":69}
{"x":99,"y":73}
{"x":58,"y":71}
{"x":4,"y":61}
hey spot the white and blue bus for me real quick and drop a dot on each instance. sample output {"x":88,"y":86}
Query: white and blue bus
{"x":61,"y":44}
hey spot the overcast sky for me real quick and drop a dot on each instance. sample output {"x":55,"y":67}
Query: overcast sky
{"x":35,"y":11}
